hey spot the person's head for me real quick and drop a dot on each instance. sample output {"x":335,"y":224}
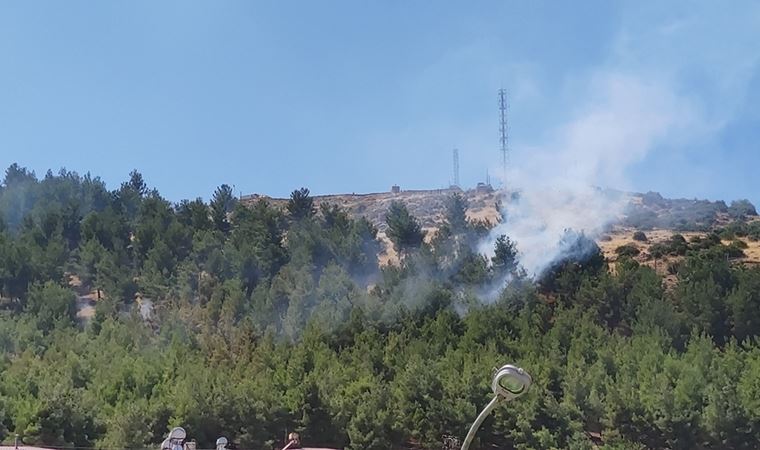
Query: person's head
{"x":294,"y":437}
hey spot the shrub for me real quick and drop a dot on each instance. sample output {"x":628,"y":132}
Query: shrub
{"x":700,"y":243}
{"x":740,"y":244}
{"x":677,"y":245}
{"x":658,"y":250}
{"x":733,"y":229}
{"x":753,"y":231}
{"x":674,"y":267}
{"x":627,"y":250}
{"x":640,"y":236}
{"x":734,"y":251}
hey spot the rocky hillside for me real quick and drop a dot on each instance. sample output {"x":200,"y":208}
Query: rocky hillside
{"x":658,"y":232}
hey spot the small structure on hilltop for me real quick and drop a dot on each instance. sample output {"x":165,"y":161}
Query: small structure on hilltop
{"x":395,"y":189}
{"x":484,"y":188}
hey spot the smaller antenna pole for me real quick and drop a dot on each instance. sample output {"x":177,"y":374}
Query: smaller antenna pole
{"x":456,"y":167}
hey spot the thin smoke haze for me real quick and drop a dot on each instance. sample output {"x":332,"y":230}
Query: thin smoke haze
{"x":558,"y":185}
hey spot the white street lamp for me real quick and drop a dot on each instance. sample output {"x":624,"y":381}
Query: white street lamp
{"x":509,"y":383}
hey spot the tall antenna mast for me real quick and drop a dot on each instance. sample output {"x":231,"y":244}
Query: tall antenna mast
{"x":503,"y":132}
{"x":456,"y":167}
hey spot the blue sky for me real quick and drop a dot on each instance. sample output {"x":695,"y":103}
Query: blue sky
{"x":347,"y":96}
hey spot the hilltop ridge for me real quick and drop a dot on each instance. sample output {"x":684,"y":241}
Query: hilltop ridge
{"x":427,"y":205}
{"x":659,"y":217}
{"x":648,"y":210}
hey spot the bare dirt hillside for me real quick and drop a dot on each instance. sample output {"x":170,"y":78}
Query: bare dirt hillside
{"x":623,"y":236}
{"x":428,"y":206}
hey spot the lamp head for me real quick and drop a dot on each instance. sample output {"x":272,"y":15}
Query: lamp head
{"x":510,"y":382}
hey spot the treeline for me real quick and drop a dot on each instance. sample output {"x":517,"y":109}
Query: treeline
{"x":262,"y":321}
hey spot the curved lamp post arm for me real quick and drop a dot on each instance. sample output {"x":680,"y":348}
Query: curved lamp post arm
{"x":478,"y":422}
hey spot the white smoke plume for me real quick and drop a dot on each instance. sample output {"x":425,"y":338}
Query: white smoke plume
{"x":558,"y":182}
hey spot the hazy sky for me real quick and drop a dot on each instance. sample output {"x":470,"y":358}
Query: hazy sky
{"x":354,"y":96}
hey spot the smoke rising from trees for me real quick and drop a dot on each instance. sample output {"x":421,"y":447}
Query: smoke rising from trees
{"x":563,"y":183}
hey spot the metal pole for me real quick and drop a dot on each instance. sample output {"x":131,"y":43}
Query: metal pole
{"x":479,"y":421}
{"x":503,"y":133}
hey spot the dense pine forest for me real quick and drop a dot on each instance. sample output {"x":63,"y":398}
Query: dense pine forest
{"x":250,"y":322}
